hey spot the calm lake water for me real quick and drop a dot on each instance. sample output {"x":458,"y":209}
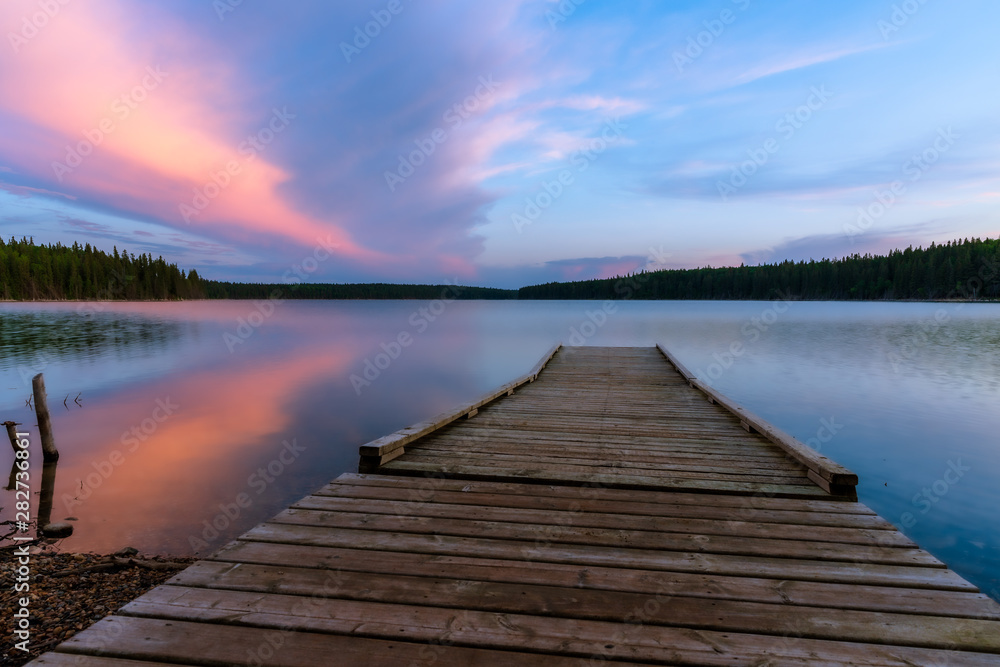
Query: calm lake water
{"x":186,"y":409}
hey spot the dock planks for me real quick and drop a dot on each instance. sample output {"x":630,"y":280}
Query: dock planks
{"x":615,"y":417}
{"x":605,"y":513}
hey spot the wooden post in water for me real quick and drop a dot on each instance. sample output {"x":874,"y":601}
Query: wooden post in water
{"x":49,"y":451}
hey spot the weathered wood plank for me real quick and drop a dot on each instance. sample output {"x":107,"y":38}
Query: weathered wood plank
{"x":335,"y":563}
{"x":585,"y":467}
{"x":638,"y":446}
{"x":437,"y":482}
{"x":583,"y":638}
{"x":53,"y":659}
{"x":171,"y":640}
{"x":577,"y":518}
{"x":551,"y":601}
{"x":412,"y":498}
{"x":619,"y":457}
{"x":806,"y":570}
{"x":890,"y":554}
{"x":624,"y":481}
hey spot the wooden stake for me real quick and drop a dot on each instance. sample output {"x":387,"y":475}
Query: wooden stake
{"x":49,"y":451}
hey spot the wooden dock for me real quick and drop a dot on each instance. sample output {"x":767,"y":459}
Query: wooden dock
{"x":604,"y":509}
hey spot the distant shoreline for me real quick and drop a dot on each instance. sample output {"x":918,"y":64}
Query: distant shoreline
{"x":959,"y":271}
{"x":419,"y":298}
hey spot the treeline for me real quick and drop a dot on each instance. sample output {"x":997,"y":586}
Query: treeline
{"x":31,"y":272}
{"x":968,"y":269}
{"x":224,"y":290}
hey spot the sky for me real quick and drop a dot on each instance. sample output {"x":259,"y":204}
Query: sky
{"x":500,"y":143}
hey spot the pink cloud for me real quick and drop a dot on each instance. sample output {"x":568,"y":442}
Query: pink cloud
{"x":152,"y":110}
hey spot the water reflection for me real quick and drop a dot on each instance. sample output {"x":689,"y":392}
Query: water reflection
{"x":186,"y":439}
{"x":31,"y":338}
{"x":19,"y":481}
{"x":46,"y":494}
{"x":184,"y":463}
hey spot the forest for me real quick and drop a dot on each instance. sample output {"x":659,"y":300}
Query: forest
{"x":966,"y":269}
{"x":30,"y":272}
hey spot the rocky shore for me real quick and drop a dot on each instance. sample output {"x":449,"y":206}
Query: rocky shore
{"x":69,"y":592}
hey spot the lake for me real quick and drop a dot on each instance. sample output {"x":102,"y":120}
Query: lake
{"x":181,"y":425}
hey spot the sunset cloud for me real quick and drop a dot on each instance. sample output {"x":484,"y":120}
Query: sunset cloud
{"x":239,"y":143}
{"x":140,"y":126}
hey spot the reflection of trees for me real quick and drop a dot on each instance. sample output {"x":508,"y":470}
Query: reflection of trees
{"x":38,"y":338}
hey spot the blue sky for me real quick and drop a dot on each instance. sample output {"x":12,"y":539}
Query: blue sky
{"x":502,"y":143}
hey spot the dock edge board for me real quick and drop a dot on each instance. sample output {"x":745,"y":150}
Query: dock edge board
{"x":392,"y":446}
{"x":825,"y":472}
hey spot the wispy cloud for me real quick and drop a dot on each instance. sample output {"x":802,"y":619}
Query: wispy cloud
{"x":803,"y":60}
{"x":25,"y":191}
{"x":92,"y":227}
{"x":607,"y":105}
